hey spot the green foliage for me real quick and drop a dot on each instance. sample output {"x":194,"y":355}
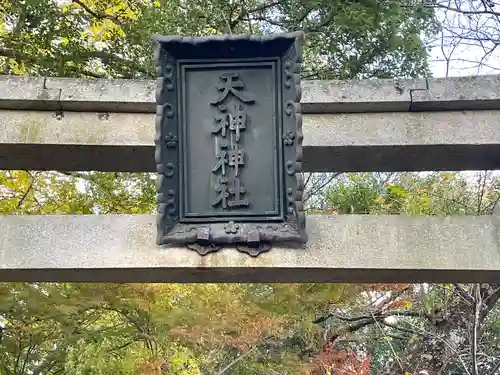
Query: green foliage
{"x":112,"y":38}
{"x":154,"y":328}
{"x":103,"y":358}
{"x":76,"y":193}
{"x":436,"y":193}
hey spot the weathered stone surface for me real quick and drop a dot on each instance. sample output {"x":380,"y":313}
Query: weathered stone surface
{"x":402,"y":128}
{"x":71,"y":94}
{"x":385,"y":95}
{"x":344,"y":248}
{"x":458,"y":93}
{"x":392,"y":141}
{"x":83,"y":128}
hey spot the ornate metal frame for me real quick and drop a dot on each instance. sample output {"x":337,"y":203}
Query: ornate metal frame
{"x":250,"y":236}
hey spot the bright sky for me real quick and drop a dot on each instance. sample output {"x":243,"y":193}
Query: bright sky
{"x":467,"y":57}
{"x":468,"y":41}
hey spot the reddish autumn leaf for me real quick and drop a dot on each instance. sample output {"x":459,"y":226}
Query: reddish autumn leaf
{"x":332,"y":361}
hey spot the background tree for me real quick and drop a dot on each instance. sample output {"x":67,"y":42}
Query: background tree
{"x":442,"y":329}
{"x":469,"y":36}
{"x":112,"y":38}
{"x":238,"y":329}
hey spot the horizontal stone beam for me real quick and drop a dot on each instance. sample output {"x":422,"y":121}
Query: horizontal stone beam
{"x":388,"y":141}
{"x":346,"y":248}
{"x":320,"y":97}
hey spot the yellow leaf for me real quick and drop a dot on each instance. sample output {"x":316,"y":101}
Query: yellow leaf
{"x":446,"y":176}
{"x":97,"y":30}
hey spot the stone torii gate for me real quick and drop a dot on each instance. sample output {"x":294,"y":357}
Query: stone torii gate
{"x":373,"y":125}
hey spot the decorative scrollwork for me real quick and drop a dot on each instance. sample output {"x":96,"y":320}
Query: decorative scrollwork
{"x":291,"y":200}
{"x":290,"y":169}
{"x":170,"y":140}
{"x":171,"y":202}
{"x":290,"y":107}
{"x":170,"y":170}
{"x":169,"y":74}
{"x":295,"y":219}
{"x":168,"y":110}
{"x":289,"y":68}
{"x":168,"y":210}
{"x":288,"y":138}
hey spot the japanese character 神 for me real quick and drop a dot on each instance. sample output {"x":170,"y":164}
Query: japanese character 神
{"x":236,"y":158}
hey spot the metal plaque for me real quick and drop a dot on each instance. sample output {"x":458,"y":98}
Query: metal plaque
{"x":229,"y":141}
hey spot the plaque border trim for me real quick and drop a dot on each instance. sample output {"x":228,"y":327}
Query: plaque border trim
{"x":250,"y":237}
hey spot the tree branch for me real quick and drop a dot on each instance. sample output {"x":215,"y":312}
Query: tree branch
{"x":88,"y":73}
{"x":21,"y":201}
{"x":378,"y":315}
{"x":16,"y":55}
{"x":457,"y":10}
{"x":19,"y":352}
{"x":351,"y":328}
{"x":475,"y":322}
{"x":28,"y":352}
{"x":493,"y":295}
{"x":103,"y":55}
{"x":410,"y":331}
{"x":232,"y":363}
{"x":100,"y":16}
{"x":495,"y":369}
{"x":247,"y":13}
{"x":318,"y":188}
{"x":120,"y":346}
{"x":466,"y":296}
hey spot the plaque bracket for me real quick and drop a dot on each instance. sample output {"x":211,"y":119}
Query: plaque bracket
{"x":253,"y":245}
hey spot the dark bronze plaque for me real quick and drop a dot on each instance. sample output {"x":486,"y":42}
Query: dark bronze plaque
{"x":229,"y":141}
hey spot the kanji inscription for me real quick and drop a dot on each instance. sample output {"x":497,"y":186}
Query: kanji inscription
{"x":231,"y":83}
{"x":230,"y":132}
{"x":230,"y":151}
